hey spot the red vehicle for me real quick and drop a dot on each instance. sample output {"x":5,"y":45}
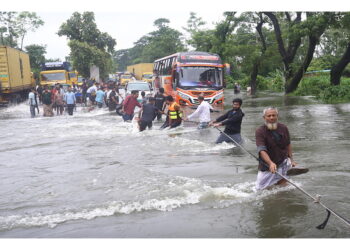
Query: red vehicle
{"x":186,"y":75}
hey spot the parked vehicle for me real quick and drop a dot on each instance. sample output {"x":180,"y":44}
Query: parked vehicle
{"x":125,"y":78}
{"x":73,"y":75}
{"x":15,"y":75}
{"x":55,"y":72}
{"x":139,"y":69}
{"x":140,"y":86}
{"x":80,"y":80}
{"x":147,"y":77}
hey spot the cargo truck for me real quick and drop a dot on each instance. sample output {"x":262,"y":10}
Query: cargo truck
{"x":147,"y":77}
{"x":125,"y":78}
{"x":139,"y":69}
{"x":55,"y":72}
{"x":73,"y":75}
{"x":15,"y":75}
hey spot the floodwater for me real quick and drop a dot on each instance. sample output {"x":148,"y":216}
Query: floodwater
{"x":93,"y":176}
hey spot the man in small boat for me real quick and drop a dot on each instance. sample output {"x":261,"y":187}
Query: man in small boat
{"x":275,"y":151}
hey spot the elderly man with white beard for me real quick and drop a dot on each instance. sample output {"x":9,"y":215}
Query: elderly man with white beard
{"x":275,"y":151}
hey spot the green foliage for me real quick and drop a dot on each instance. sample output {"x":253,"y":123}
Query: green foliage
{"x":322,"y":63}
{"x":27,"y":21}
{"x":229,"y":82}
{"x":313,"y":86}
{"x":14,"y":26}
{"x":337,"y":94}
{"x":276,"y":81}
{"x":319,"y":86}
{"x":89,"y":46}
{"x":84,"y":55}
{"x":159,"y":43}
{"x":36,"y":55}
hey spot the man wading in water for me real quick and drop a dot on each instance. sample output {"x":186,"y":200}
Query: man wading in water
{"x":174,"y":115}
{"x":232,"y":121}
{"x":275,"y":151}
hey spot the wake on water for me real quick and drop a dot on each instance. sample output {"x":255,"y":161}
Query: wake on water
{"x":193,"y":191}
{"x":189,"y":190}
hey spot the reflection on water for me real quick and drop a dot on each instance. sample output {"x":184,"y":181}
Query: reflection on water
{"x":276,"y":216}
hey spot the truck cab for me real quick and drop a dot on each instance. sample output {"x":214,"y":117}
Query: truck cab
{"x":73,"y":75}
{"x":147,"y":77}
{"x":55,"y":72}
{"x":125,"y":78}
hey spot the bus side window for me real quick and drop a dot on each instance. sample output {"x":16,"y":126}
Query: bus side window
{"x":170,"y":63}
{"x":175,"y":77}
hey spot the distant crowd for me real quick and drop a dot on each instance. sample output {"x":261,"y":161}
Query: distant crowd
{"x":272,"y":138}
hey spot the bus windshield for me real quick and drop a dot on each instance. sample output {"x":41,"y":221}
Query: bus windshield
{"x":200,"y":77}
{"x":53,"y":76}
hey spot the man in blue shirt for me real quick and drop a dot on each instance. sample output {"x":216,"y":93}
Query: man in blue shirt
{"x":100,"y":95}
{"x":69,"y":99}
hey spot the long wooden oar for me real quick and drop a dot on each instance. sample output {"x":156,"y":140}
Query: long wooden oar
{"x":316,"y":199}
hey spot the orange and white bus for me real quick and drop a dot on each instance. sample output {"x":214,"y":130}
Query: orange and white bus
{"x":186,"y":75}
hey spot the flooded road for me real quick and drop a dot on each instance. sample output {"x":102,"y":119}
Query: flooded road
{"x":93,"y":176}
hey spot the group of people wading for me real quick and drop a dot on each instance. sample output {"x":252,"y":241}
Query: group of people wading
{"x":272,"y":138}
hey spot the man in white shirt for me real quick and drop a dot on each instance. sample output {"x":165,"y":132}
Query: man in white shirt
{"x":202,"y":112}
{"x":32,"y":102}
{"x":91,"y":93}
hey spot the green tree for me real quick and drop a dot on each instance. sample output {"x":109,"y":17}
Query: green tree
{"x":161,"y":42}
{"x":200,"y":39}
{"x":16,"y":25}
{"x":298,"y":34}
{"x":222,"y":33}
{"x":27,"y":21}
{"x":36,"y":55}
{"x":122,"y":59}
{"x":83,"y":52}
{"x":343,"y":23}
{"x":8,"y":28}
{"x":89,"y":46}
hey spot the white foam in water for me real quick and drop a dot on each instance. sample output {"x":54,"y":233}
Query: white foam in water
{"x":191,"y":191}
{"x":195,"y":146}
{"x":21,"y":110}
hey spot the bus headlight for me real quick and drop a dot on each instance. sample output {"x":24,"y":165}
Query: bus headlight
{"x":183,"y":96}
{"x":219,"y":96}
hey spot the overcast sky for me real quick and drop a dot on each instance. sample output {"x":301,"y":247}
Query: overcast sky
{"x":125,"y":27}
{"x":128,"y":20}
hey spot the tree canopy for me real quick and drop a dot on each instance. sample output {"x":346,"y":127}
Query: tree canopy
{"x":89,"y":46}
{"x":14,"y":26}
{"x":156,"y":44}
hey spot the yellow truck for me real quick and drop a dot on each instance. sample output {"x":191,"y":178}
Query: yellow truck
{"x":55,"y":72}
{"x":80,"y":80}
{"x":73,"y":75}
{"x":147,"y":77}
{"x":15,"y":75}
{"x":125,"y":78}
{"x":139,"y":69}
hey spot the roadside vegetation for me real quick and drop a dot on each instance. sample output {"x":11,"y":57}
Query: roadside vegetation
{"x":275,"y":51}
